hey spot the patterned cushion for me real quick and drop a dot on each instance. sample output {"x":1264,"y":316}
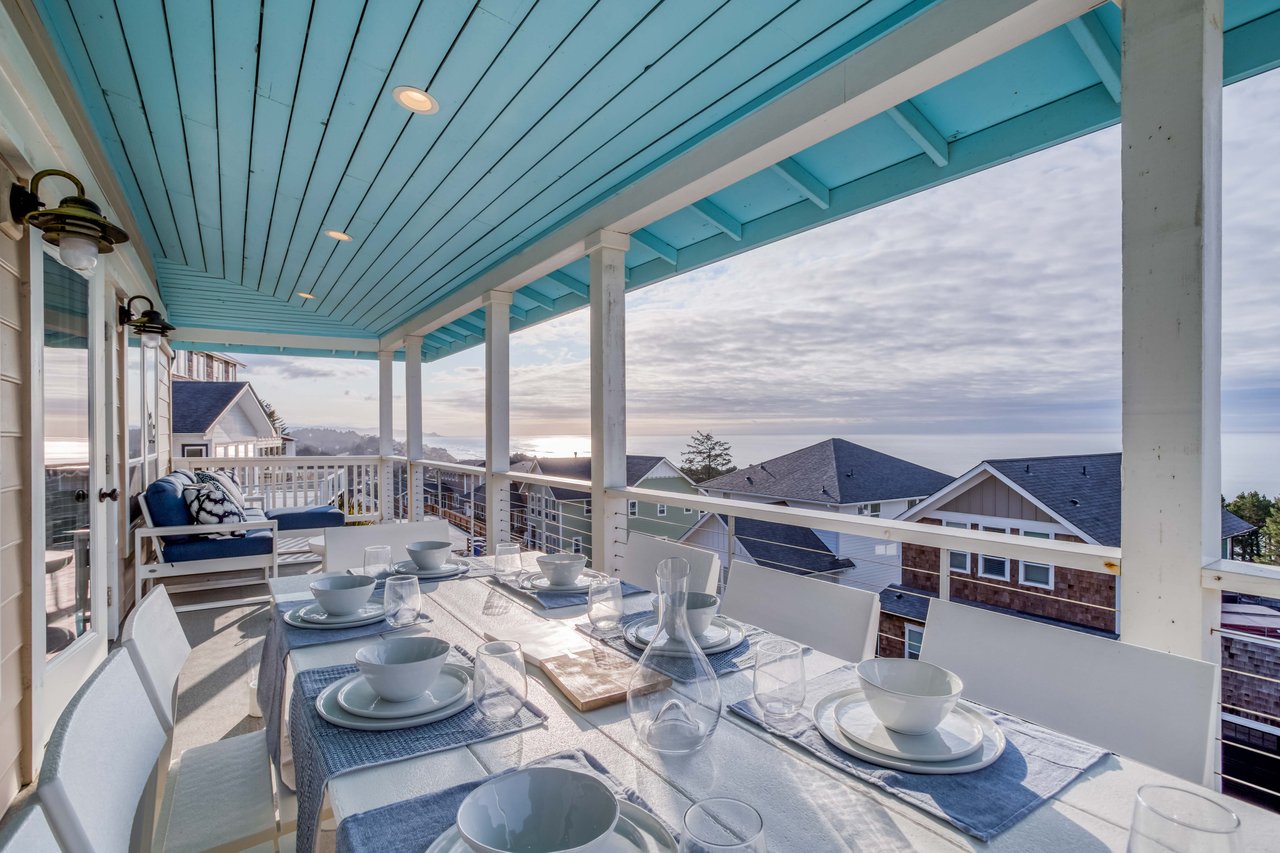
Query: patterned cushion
{"x":209,"y":504}
{"x":225,"y":481}
{"x":185,"y":474}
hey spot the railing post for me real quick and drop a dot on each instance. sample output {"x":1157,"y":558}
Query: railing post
{"x":413,"y":422}
{"x":607,"y":251}
{"x":1171,"y":185}
{"x":497,"y":417}
{"x":386,"y":442}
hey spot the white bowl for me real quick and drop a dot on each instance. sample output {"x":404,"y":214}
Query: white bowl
{"x":562,"y":569}
{"x":342,"y":595}
{"x":909,"y":696}
{"x":702,"y":608}
{"x":538,"y":808}
{"x":402,"y":668}
{"x":429,"y":556}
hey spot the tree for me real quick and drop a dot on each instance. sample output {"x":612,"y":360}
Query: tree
{"x":706,"y":457}
{"x":1253,"y":507}
{"x":1271,"y":536}
{"x":276,"y":421}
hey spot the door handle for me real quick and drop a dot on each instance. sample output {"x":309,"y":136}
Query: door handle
{"x":81,"y":496}
{"x":104,"y":495}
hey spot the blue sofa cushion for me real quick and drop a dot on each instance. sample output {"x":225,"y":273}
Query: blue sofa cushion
{"x":252,"y":544}
{"x":307,"y":517}
{"x":166,"y":505}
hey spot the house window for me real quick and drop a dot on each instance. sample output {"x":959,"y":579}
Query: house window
{"x":1036,"y":574}
{"x":586,"y":508}
{"x":872,"y":510}
{"x":994,"y":567}
{"x":633,"y":509}
{"x":913,"y":502}
{"x":915,"y":638}
{"x":577,"y":544}
{"x":688,"y":510}
{"x":662,"y":509}
{"x":194,"y":450}
{"x":958,"y":561}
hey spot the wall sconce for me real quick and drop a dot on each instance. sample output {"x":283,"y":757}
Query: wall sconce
{"x":76,"y":226}
{"x":150,"y":326}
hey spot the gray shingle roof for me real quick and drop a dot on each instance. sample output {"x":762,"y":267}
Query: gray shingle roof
{"x":784,"y":546}
{"x":1085,"y":491}
{"x":834,"y":471}
{"x":196,"y":405}
{"x":579,"y":468}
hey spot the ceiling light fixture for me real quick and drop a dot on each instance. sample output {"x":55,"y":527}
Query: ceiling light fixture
{"x":415,"y":100}
{"x":76,"y":226}
{"x":306,"y":295}
{"x":338,"y":235}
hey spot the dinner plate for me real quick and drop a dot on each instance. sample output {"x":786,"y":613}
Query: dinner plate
{"x":957,"y":736}
{"x":357,"y":697}
{"x":447,"y":570}
{"x":328,"y":707}
{"x":541,"y":583}
{"x":824,"y":717}
{"x":291,"y":617}
{"x":642,"y":631}
{"x":636,"y":831}
{"x":316,"y":614}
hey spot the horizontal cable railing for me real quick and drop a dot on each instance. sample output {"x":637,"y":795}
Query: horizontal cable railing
{"x":1250,"y":700}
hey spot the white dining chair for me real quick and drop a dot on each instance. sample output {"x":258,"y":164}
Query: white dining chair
{"x":27,"y":830}
{"x":97,"y":780}
{"x":1149,"y":705}
{"x":839,"y":620}
{"x":234,"y":772}
{"x":344,"y":546}
{"x":644,"y":552}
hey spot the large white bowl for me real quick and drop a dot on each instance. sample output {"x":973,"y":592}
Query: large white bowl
{"x":538,"y":808}
{"x":562,"y":569}
{"x":702,"y":608}
{"x":429,"y":556}
{"x":402,"y":668}
{"x":909,"y":696}
{"x":342,"y":595}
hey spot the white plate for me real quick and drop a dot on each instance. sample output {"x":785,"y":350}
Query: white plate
{"x":327,"y":705}
{"x":960,"y":734}
{"x":824,"y":716}
{"x":641,"y":632}
{"x":637,"y":831}
{"x":357,"y":697}
{"x":291,"y":617}
{"x":316,"y":614}
{"x":447,"y":570}
{"x":541,"y":583}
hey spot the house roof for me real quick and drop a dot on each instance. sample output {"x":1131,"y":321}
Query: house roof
{"x":834,"y":471}
{"x":913,"y":603}
{"x":579,"y":468}
{"x":787,"y":547}
{"x":198,"y":405}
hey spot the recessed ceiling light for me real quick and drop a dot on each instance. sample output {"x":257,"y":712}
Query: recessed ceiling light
{"x":338,"y":235}
{"x":415,"y":99}
{"x":306,"y":295}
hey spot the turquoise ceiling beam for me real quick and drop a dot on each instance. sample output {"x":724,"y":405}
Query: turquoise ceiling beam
{"x":534,"y":295}
{"x":908,"y":117}
{"x":802,"y":179}
{"x":1096,"y":46}
{"x":716,"y":215}
{"x":565,"y":280}
{"x":657,"y":245}
{"x":470,"y":326}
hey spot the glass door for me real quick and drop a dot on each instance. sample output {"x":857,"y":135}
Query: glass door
{"x":68,"y":345}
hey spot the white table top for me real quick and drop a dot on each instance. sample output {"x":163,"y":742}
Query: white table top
{"x":806,"y":804}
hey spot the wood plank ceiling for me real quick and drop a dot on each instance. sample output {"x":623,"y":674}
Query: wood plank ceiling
{"x":243,"y":130}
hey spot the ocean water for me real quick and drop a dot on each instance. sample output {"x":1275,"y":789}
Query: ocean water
{"x":1250,"y":460}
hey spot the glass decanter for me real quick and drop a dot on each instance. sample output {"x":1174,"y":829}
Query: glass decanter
{"x":674,"y":697}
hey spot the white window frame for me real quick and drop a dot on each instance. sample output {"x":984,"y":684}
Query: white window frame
{"x":982,"y":558}
{"x":688,"y":510}
{"x":633,"y":509}
{"x":577,"y":545}
{"x":1022,"y":574}
{"x":968,"y":568}
{"x":586,"y":508}
{"x":908,"y":641}
{"x":662,"y":509}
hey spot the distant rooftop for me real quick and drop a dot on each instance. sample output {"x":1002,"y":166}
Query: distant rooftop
{"x":913,"y":603}
{"x":197,"y":405}
{"x":579,"y":468}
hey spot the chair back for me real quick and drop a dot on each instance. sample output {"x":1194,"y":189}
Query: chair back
{"x":28,"y":831}
{"x":839,"y":620}
{"x":644,"y":552}
{"x":155,"y":639}
{"x":344,"y":546}
{"x":1149,"y":705}
{"x":97,"y":780}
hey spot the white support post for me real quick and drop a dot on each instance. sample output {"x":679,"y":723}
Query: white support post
{"x":413,"y":422}
{"x":607,"y":251}
{"x":497,"y":417}
{"x":386,"y":442}
{"x":1171,"y":181}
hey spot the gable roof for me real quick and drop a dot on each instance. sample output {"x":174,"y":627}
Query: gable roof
{"x":787,"y":547}
{"x":579,"y":468}
{"x":834,"y":471}
{"x":198,"y":405}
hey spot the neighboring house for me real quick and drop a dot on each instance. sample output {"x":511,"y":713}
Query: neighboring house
{"x":559,"y":519}
{"x":221,"y":419}
{"x":1250,"y":695}
{"x":833,"y":475}
{"x":205,"y":366}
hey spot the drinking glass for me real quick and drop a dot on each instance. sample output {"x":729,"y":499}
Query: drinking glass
{"x":1171,"y":820}
{"x":722,"y":825}
{"x":377,"y":560}
{"x":779,"y":677}
{"x":501,"y":684}
{"x":604,"y":604}
{"x":403,"y":598}
{"x":506,"y":561}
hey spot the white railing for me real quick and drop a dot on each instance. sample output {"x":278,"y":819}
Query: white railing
{"x":353,"y":483}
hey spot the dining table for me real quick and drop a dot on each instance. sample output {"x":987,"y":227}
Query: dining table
{"x":806,"y":804}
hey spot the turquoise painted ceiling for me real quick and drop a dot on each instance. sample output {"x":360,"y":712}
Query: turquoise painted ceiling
{"x":242,"y":130}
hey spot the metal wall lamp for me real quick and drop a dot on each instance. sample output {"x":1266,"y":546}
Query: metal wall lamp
{"x":150,"y":325}
{"x":76,"y":226}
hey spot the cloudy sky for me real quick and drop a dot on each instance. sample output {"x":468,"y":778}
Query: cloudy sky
{"x":987,"y":305}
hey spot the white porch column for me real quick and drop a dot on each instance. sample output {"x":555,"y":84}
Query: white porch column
{"x":607,"y":251}
{"x":497,"y":417}
{"x":386,"y":445}
{"x":1172,"y":186}
{"x":413,"y":421}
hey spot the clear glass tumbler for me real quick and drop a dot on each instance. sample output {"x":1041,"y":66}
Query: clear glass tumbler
{"x":722,"y":825}
{"x":403,"y":599}
{"x":501,"y":682}
{"x":506,"y":561}
{"x":377,"y":560}
{"x":779,"y":677}
{"x":604,"y":604}
{"x":1172,"y":820}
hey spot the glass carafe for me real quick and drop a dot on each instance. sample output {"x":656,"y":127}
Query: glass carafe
{"x":674,"y":697}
